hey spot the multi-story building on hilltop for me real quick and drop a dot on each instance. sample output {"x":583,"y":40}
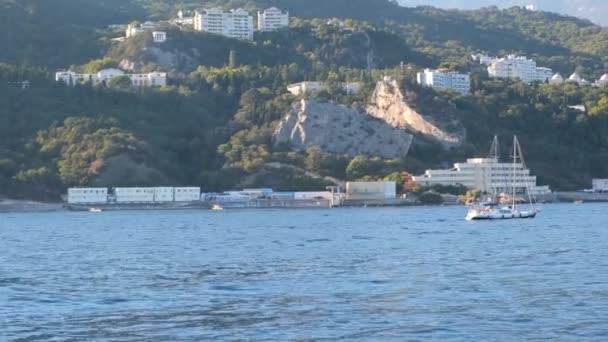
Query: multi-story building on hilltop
{"x":445,"y":80}
{"x":236,"y":24}
{"x":272,"y":19}
{"x":518,"y":67}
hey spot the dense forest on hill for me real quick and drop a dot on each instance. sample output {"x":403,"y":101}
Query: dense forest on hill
{"x":212,"y":125}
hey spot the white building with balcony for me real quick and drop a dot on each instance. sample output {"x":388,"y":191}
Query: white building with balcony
{"x":236,"y":24}
{"x":486,"y":174}
{"x":272,"y":19}
{"x":104,"y":76}
{"x":518,"y":67}
{"x":445,"y":80}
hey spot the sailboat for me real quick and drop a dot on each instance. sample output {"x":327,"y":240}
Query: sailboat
{"x":495,"y":209}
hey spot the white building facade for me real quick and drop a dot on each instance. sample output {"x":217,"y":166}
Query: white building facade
{"x":485,"y":174}
{"x":311,"y":88}
{"x":159,"y":36}
{"x":518,"y":67}
{"x":87,"y":195}
{"x":236,"y":24}
{"x":187,"y":194}
{"x":134,"y":29}
{"x":272,"y":19}
{"x":600,"y":185}
{"x":371,"y":190}
{"x":104,"y":76}
{"x":445,"y":80}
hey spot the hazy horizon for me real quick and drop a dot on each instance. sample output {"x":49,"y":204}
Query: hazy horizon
{"x":593,"y":10}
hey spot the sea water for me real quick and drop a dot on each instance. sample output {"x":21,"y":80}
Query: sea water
{"x":367,"y":274}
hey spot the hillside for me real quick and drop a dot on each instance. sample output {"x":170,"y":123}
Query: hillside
{"x":215,"y":123}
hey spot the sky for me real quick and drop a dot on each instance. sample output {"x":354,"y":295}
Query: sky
{"x":594,"y":10}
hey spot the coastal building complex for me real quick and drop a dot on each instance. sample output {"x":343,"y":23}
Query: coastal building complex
{"x":445,"y":80}
{"x":236,"y":24}
{"x":272,"y":19}
{"x":485,"y":174}
{"x":252,"y":198}
{"x":104,"y":76}
{"x":518,"y":67}
{"x":311,"y":88}
{"x":371,"y":190}
{"x":133,"y":195}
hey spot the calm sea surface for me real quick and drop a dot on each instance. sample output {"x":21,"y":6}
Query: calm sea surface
{"x":265,"y":275}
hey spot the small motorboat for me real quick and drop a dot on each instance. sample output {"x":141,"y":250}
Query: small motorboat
{"x":95,"y":210}
{"x":217,"y":207}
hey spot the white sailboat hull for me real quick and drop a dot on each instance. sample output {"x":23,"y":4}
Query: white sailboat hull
{"x":499,"y":214}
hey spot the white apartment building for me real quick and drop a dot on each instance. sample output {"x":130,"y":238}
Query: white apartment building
{"x":485,"y":174}
{"x":445,"y":80}
{"x":236,"y":24}
{"x":518,"y":67}
{"x":272,"y":19}
{"x":87,"y":195}
{"x":311,"y":88}
{"x":104,"y":76}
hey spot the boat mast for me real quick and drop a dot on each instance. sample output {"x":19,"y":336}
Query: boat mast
{"x":495,"y":154}
{"x":514,"y":173}
{"x":531,"y":198}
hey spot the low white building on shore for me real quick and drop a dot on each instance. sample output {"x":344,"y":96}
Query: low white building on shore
{"x":187,"y":194}
{"x":104,"y":76}
{"x":487,"y":175}
{"x":443,"y":79}
{"x":600,"y":185}
{"x":371,"y":190}
{"x":87,"y":196}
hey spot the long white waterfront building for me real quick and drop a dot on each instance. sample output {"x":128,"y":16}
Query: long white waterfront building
{"x":236,"y":24}
{"x":272,"y":19}
{"x":445,"y":80}
{"x":104,"y":76}
{"x":133,"y":195}
{"x":486,"y":174}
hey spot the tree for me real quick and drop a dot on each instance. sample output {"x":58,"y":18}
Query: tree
{"x":232,"y":59}
{"x":120,"y":83}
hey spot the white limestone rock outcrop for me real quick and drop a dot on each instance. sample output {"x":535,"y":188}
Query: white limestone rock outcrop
{"x":338,"y":129}
{"x":389,"y":104}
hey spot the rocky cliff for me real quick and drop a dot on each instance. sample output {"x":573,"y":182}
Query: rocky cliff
{"x":389,"y":104}
{"x":342,"y":130}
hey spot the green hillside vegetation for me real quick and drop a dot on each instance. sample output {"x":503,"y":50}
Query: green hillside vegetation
{"x":213,"y":125}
